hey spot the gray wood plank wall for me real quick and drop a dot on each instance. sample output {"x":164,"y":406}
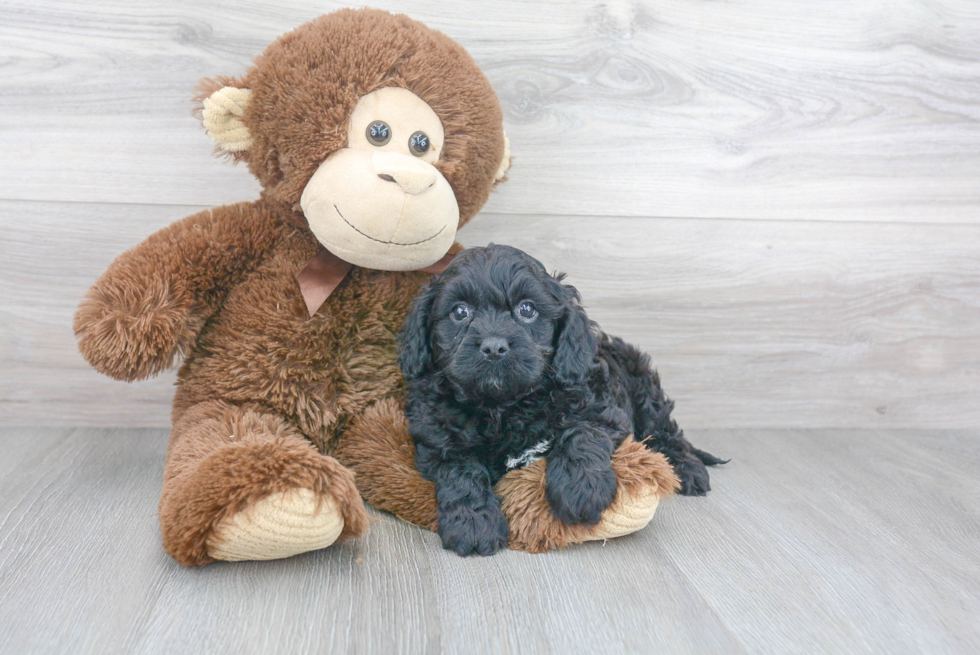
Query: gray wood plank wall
{"x":779,"y":199}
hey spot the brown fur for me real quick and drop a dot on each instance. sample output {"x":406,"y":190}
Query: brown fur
{"x":379,"y":450}
{"x":149,"y":307}
{"x":306,"y":84}
{"x":223,"y":457}
{"x":262,"y":382}
{"x":535,"y":528}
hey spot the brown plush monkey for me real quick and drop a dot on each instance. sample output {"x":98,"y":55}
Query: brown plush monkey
{"x":374,"y":139}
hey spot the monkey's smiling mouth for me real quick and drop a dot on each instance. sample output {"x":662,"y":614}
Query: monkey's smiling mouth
{"x":388,"y":243}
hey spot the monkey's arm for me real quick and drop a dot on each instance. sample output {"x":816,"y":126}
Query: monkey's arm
{"x":149,"y":306}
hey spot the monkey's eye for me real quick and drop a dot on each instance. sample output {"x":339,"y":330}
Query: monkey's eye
{"x":527,"y":310}
{"x":418,"y":143}
{"x":378,"y":133}
{"x":460,"y":312}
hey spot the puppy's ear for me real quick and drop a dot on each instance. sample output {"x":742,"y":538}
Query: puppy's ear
{"x":415,"y":354}
{"x":577,"y":343}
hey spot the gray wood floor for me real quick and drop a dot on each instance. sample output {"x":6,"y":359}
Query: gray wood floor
{"x":811,"y":541}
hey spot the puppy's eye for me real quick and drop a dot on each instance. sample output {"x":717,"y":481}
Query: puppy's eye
{"x":378,"y":133}
{"x":527,"y":311}
{"x":418,"y":143}
{"x":460,"y":312}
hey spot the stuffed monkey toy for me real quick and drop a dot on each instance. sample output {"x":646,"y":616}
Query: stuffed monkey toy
{"x":374,"y":138}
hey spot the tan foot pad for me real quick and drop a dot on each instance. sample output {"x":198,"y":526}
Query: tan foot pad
{"x":627,"y":514}
{"x":280,"y":525}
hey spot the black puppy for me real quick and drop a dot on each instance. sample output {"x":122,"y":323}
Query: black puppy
{"x":504,"y":367}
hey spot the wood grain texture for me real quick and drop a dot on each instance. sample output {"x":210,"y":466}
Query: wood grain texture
{"x":811,"y":541}
{"x":649,"y":138}
{"x":835,"y":110}
{"x":752,"y":323}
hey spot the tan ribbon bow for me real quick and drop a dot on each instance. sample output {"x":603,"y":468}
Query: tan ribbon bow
{"x":326,"y":271}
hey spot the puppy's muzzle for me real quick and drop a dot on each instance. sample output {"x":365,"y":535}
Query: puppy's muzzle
{"x":494,"y":348}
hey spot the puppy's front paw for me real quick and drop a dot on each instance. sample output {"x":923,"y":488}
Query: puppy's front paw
{"x":693,"y":476}
{"x":468,"y":531}
{"x":578,"y":493}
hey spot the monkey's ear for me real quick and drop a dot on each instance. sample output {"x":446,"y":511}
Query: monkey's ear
{"x":415,"y":354}
{"x":222,"y":118}
{"x":504,"y":162}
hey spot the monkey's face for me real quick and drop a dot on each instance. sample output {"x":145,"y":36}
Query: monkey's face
{"x":384,"y":178}
{"x":380,"y":202}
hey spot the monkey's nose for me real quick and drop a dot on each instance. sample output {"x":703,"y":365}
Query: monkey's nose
{"x":494,"y":348}
{"x":413,"y":175}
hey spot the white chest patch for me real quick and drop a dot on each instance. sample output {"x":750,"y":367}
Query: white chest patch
{"x":532,"y":454}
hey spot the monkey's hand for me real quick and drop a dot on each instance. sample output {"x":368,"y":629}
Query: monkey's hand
{"x":130,"y":330}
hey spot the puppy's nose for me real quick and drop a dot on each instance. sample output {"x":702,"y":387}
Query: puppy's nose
{"x":494,"y":347}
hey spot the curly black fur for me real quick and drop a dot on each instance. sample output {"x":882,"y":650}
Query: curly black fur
{"x":521,"y":372}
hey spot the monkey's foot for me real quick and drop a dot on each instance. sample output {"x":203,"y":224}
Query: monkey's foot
{"x":241,"y":486}
{"x":280,"y":525}
{"x":644,"y":478}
